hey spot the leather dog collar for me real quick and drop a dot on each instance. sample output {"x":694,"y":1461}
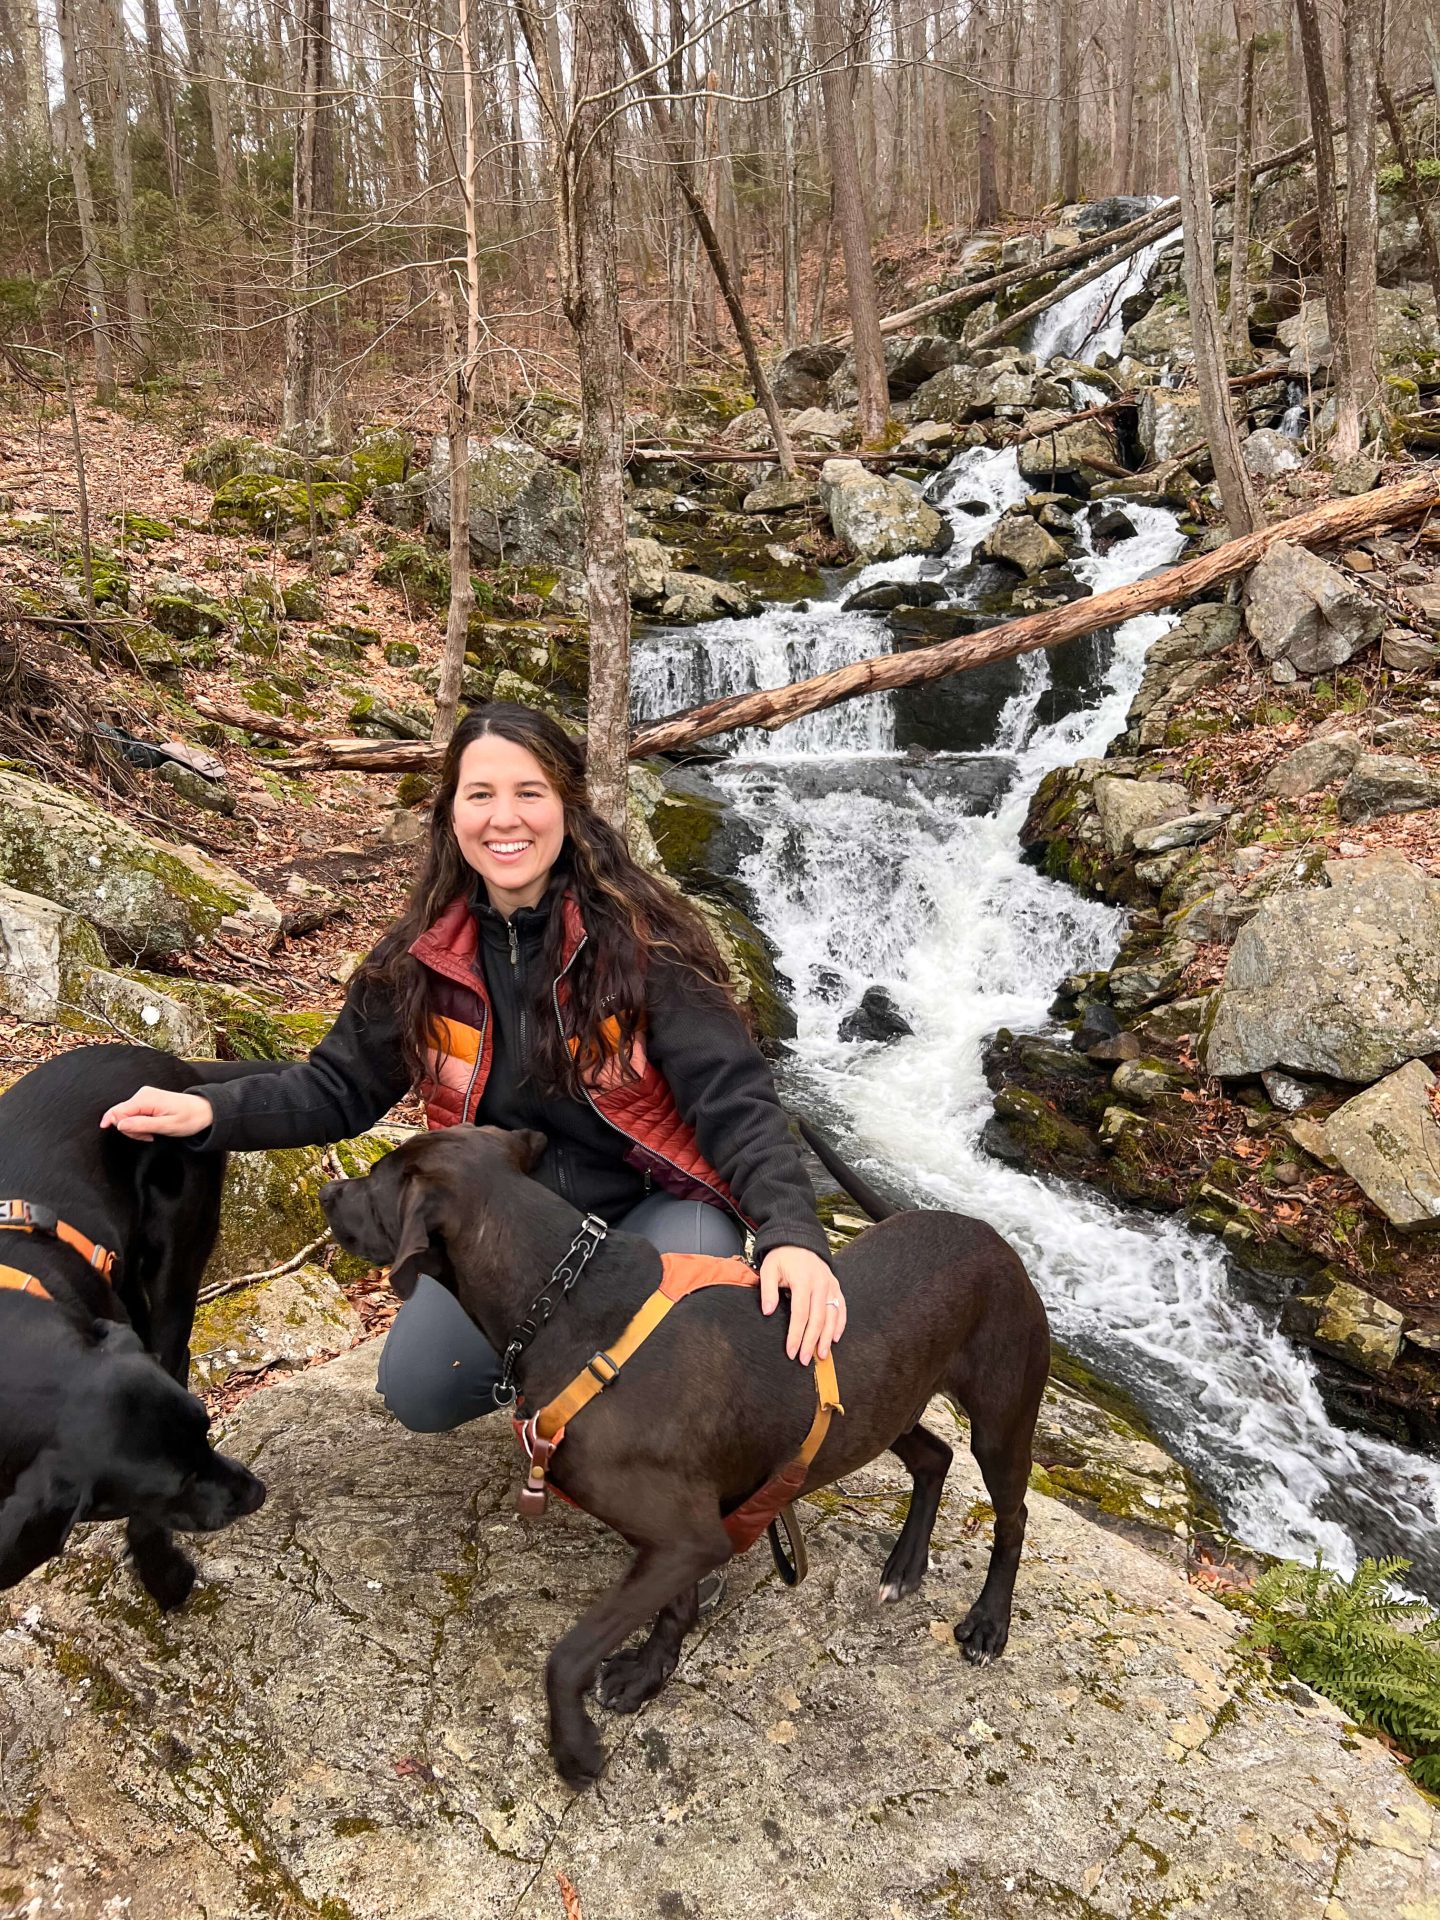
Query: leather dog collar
{"x":25,"y":1216}
{"x":12,"y":1280}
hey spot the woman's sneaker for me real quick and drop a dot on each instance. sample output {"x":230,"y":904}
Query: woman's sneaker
{"x":712,"y":1591}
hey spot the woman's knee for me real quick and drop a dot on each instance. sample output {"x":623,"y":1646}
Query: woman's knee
{"x":437,"y":1370}
{"x":684,"y":1226}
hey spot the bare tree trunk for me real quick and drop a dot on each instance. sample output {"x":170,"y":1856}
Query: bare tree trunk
{"x":1331,"y":256}
{"x":1405,"y":153}
{"x":822,"y":278}
{"x":1238,"y":318}
{"x":1054,"y":86}
{"x":866,"y":341}
{"x":90,"y":275}
{"x":1194,"y":170}
{"x":1359,"y":406}
{"x":1069,"y":11}
{"x":302,"y":407}
{"x":163,"y":94}
{"x":790,"y":181}
{"x":1122,"y":178}
{"x":115,"y":65}
{"x":987,"y":203}
{"x":714,"y":252}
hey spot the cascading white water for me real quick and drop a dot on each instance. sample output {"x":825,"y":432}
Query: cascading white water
{"x":1089,"y":321}
{"x":883,"y":878}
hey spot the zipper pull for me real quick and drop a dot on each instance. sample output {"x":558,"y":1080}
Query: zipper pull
{"x":514,"y":945}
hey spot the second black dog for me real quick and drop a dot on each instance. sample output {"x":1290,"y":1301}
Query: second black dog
{"x":95,"y":1419}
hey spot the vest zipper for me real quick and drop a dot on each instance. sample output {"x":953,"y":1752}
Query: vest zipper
{"x":479,"y":1056}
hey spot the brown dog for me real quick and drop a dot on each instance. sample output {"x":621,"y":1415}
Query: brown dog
{"x":710,"y":1406}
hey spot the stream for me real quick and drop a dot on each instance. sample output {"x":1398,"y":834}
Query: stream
{"x":878,"y":867}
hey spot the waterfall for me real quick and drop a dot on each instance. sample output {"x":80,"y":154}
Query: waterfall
{"x":883,"y":872}
{"x":1090,"y":321}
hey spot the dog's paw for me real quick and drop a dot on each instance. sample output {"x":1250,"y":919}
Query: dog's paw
{"x":167,"y":1574}
{"x":630,"y":1679}
{"x":579,"y":1760}
{"x":981,"y":1637}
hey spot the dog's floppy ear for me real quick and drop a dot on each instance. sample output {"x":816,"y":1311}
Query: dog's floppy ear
{"x":419,"y":1219}
{"x":35,"y":1521}
{"x":525,"y":1148}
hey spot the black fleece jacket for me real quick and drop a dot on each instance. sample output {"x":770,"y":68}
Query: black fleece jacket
{"x":720,"y":1083}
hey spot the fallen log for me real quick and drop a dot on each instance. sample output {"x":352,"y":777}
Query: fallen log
{"x":776,"y":707}
{"x":363,"y":756}
{"x":264,"y":724}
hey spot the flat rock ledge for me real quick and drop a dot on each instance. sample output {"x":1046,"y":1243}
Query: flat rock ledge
{"x":348,"y":1721}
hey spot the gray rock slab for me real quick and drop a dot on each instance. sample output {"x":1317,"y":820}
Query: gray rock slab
{"x":1303,"y":611}
{"x":1339,"y":1318}
{"x":1381,"y":783}
{"x":524,"y":507}
{"x":1388,"y":1140}
{"x":286,"y":1322}
{"x":1186,"y":830}
{"x":1125,"y":806}
{"x":1319,"y":762}
{"x":350,"y":1720}
{"x":1343,"y":980}
{"x":878,"y":519}
{"x":46,"y":954}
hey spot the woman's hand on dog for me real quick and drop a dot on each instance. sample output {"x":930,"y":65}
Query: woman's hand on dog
{"x":155,"y":1113}
{"x":817,"y":1306}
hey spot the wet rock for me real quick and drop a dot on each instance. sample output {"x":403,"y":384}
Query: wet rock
{"x":1142,"y":985}
{"x":1045,"y":1133}
{"x":1388,"y":1140}
{"x":1186,"y":830}
{"x":1267,"y":453}
{"x":1097,"y":1025}
{"x":799,"y":377}
{"x":1020,"y":542}
{"x":1108,"y":527}
{"x":1119,"y":1046}
{"x":886,"y":595}
{"x":877,"y":519}
{"x":1337,"y":1317}
{"x":1318,"y":763}
{"x":1300,"y":609}
{"x":876,"y":1018}
{"x":1047,"y":1060}
{"x":524,"y":508}
{"x":1381,"y":783}
{"x":1065,"y":449}
{"x":1170,"y":422}
{"x":1342,"y":981}
{"x":1125,"y":806}
{"x":1171,"y":1024}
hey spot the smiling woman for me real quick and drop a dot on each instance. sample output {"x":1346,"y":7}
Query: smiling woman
{"x":539,"y":979}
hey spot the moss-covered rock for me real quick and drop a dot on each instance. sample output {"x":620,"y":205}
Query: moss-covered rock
{"x":285,"y":1322}
{"x":381,"y":457}
{"x":401,"y":653}
{"x":109,"y":576}
{"x":272,"y":1206}
{"x":417,"y":571}
{"x":139,"y":530}
{"x":273,"y":505}
{"x":147,"y":899}
{"x":183,"y":610}
{"x":301,"y":601}
{"x":46,"y":953}
{"x":232,"y":455}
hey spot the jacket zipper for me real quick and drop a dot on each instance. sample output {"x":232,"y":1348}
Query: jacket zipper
{"x":728,"y":1205}
{"x":519,"y":995}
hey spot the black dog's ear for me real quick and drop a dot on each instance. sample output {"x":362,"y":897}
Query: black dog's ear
{"x":35,"y":1521}
{"x":419,"y":1210}
{"x":526,"y":1148}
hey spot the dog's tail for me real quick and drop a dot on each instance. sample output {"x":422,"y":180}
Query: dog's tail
{"x":859,"y":1190}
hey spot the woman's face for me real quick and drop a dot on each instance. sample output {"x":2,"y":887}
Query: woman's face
{"x":509,"y":821}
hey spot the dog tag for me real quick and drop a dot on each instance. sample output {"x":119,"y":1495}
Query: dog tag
{"x":530,"y":1501}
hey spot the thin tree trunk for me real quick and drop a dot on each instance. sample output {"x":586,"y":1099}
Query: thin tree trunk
{"x":1054,"y":112}
{"x":90,"y":275}
{"x":866,"y":341}
{"x":1360,"y":406}
{"x":822,"y":278}
{"x":163,"y":94}
{"x":1332,"y":264}
{"x":1121,"y":179}
{"x":987,"y":203}
{"x":301,"y":406}
{"x":1230,"y":474}
{"x":1238,"y":318}
{"x":1405,"y":153}
{"x":1069,"y":11}
{"x":730,"y":292}
{"x":790,"y":181}
{"x":115,"y":65}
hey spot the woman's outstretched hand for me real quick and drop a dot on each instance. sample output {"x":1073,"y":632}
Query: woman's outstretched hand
{"x":817,"y":1306}
{"x":155,"y":1113}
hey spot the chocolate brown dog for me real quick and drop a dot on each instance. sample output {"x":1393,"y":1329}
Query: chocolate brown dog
{"x":710,"y":1406}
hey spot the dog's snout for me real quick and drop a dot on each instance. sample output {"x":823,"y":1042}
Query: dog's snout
{"x":251,"y":1496}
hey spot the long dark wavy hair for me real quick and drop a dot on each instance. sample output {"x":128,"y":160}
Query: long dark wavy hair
{"x":628,"y":916}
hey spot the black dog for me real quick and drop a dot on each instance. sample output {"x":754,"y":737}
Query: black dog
{"x":95,"y":1419}
{"x":710,"y":1407}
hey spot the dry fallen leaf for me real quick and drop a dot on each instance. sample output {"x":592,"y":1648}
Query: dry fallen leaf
{"x":570,"y":1897}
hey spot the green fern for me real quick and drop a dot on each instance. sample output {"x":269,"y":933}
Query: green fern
{"x":1361,"y":1645}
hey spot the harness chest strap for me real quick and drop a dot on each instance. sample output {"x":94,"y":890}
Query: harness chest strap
{"x":682,"y":1274}
{"x":24,"y":1216}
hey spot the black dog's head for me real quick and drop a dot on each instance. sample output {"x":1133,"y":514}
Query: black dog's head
{"x":128,"y":1443}
{"x":429,"y":1193}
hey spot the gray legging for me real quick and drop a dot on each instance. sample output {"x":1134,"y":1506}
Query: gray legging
{"x":437,"y":1370}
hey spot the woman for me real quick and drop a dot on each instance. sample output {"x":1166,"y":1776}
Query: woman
{"x":539,"y":978}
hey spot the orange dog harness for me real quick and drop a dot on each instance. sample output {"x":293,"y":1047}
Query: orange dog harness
{"x":24,"y":1216}
{"x":682,"y":1275}
{"x":12,"y":1280}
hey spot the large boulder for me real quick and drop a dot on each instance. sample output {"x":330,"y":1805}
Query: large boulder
{"x":1170,"y":422}
{"x":963,"y":393}
{"x":148,"y":900}
{"x":1126,"y":806}
{"x":1407,"y":334}
{"x":910,"y":360}
{"x":1320,"y":762}
{"x":1383,"y":783}
{"x":524,"y":508}
{"x":799,"y":378}
{"x":1388,"y":1140}
{"x":1333,"y":1315}
{"x":1058,"y":447}
{"x":1341,"y":980}
{"x":877,"y":519}
{"x":1300,"y":609}
{"x":1267,"y":453}
{"x":46,"y":953}
{"x":349,"y":1719}
{"x":1161,"y":337}
{"x":1022,"y":543}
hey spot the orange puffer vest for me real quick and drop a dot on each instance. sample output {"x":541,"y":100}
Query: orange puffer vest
{"x":662,"y":1143}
